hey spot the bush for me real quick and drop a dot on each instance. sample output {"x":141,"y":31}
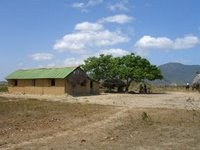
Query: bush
{"x":3,"y":88}
{"x":146,"y":118}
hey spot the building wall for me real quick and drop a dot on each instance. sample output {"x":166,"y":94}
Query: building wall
{"x":78,"y":83}
{"x":29,"y":88}
{"x":95,"y":88}
{"x":19,"y":89}
{"x":58,"y":89}
{"x":79,"y":89}
{"x":75,"y":89}
{"x":42,"y":86}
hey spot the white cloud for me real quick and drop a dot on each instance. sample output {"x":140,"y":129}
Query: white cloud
{"x":186,"y":42}
{"x":142,"y":52}
{"x":116,"y":52}
{"x":76,"y":61}
{"x":85,"y":6}
{"x":41,"y":56}
{"x":121,"y":6}
{"x":120,"y":18}
{"x":94,"y":2}
{"x":87,"y":26}
{"x":90,"y":38}
{"x":78,"y":5}
{"x":148,"y":42}
{"x":73,"y":62}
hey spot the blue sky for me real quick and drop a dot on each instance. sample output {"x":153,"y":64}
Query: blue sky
{"x":51,"y":33}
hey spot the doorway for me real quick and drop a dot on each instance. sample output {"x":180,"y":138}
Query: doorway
{"x":91,"y":87}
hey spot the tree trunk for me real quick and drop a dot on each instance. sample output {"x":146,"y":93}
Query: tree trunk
{"x":127,"y":85}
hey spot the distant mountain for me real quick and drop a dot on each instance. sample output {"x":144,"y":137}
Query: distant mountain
{"x":3,"y":83}
{"x":176,"y":73}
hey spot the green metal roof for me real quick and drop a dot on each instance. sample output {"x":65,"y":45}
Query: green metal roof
{"x":42,"y":73}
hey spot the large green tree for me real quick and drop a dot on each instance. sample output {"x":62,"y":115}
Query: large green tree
{"x":135,"y":68}
{"x":127,"y":68}
{"x":100,"y":68}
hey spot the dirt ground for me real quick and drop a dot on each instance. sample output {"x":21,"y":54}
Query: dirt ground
{"x":107,"y":121}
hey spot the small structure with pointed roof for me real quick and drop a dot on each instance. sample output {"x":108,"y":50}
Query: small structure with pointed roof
{"x":52,"y":81}
{"x":196,"y":82}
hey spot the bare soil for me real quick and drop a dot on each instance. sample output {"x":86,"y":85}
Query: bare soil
{"x":107,"y":121}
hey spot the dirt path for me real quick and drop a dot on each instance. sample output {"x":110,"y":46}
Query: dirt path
{"x":179,"y":100}
{"x":33,"y":143}
{"x":176,"y":100}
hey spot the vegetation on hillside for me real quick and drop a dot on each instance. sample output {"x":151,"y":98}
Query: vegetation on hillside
{"x":178,"y":73}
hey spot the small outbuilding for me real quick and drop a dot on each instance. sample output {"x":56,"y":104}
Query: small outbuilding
{"x":196,"y":82}
{"x":52,"y":81}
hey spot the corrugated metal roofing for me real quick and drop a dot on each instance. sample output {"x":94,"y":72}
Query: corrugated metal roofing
{"x":42,"y":73}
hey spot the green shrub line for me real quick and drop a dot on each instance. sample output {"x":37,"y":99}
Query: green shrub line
{"x":3,"y":88}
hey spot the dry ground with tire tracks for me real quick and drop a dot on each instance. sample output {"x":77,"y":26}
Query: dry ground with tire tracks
{"x":107,"y":121}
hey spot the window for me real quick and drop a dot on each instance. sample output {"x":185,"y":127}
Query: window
{"x":15,"y":83}
{"x":33,"y":82}
{"x":83,"y":83}
{"x":91,"y":84}
{"x":53,"y":83}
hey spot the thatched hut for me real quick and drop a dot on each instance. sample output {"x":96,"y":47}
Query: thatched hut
{"x":196,"y":82}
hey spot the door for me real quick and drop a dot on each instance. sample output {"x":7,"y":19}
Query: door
{"x":91,"y":87}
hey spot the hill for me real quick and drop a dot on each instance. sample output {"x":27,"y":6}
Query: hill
{"x":178,"y":73}
{"x":3,"y":83}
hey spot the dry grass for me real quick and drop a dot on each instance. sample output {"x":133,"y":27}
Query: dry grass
{"x":179,"y":88}
{"x":161,"y":129}
{"x":22,"y":119}
{"x":87,"y":126}
{"x":164,"y":129}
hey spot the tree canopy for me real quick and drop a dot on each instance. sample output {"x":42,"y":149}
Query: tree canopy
{"x":126,"y":68}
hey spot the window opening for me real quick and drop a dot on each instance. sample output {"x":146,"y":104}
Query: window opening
{"x":53,"y":83}
{"x":15,"y":83}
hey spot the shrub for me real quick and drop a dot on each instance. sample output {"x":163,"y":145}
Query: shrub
{"x":3,"y":88}
{"x":146,"y":118}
